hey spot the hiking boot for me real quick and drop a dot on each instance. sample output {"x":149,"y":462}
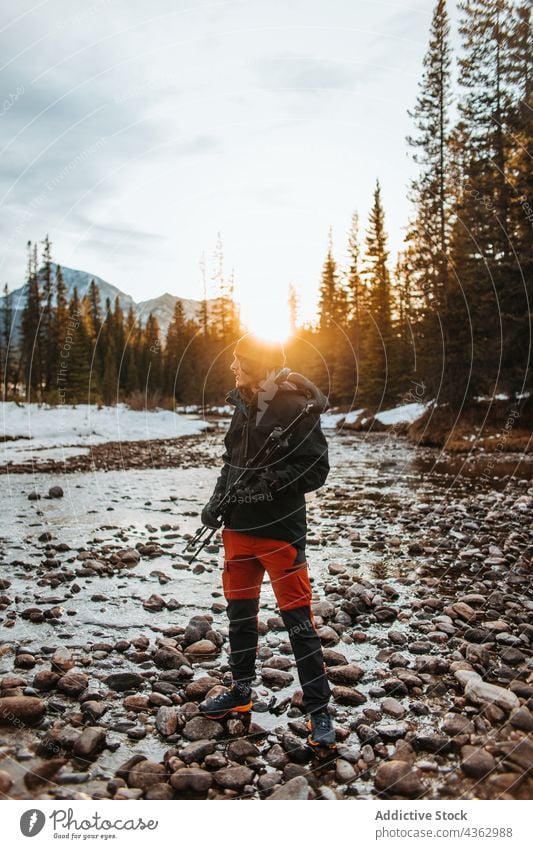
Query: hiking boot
{"x":238,"y":700}
{"x":322,"y":731}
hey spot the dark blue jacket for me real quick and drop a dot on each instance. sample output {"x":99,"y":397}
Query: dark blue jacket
{"x":301,"y":467}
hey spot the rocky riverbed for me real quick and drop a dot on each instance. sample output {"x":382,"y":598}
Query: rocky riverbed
{"x":110,"y":637}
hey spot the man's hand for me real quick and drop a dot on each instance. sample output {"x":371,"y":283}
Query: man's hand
{"x":211,"y":517}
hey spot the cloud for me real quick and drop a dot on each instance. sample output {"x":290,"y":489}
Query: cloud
{"x":296,"y":71}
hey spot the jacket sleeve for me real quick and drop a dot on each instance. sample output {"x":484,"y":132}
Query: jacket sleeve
{"x":305,"y":465}
{"x":222,"y":480}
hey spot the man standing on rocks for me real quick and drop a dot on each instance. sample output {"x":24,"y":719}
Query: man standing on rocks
{"x":265,"y":530}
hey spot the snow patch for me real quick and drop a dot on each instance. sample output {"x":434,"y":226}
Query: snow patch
{"x":405,"y":413}
{"x":39,"y":432}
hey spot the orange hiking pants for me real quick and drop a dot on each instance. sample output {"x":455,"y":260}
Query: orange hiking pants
{"x":247,"y":558}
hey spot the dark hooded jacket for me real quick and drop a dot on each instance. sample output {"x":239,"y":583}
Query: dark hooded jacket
{"x":300,"y":467}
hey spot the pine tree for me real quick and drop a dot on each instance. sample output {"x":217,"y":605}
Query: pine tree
{"x":353,"y":282}
{"x":60,"y":329}
{"x":7,"y":344}
{"x":379,"y":376}
{"x":517,"y":294}
{"x":95,"y":310}
{"x":292,"y":305}
{"x":48,"y":346}
{"x":204,"y":304}
{"x":481,"y":247}
{"x":219,"y":311}
{"x":179,"y":358}
{"x":128,"y":376}
{"x":78,"y":346}
{"x":332,"y":296}
{"x":428,"y":236}
{"x":31,"y":354}
{"x":119,"y":339}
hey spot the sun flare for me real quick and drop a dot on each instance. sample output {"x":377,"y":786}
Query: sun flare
{"x":268,"y":320}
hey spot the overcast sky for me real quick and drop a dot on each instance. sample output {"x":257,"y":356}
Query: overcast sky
{"x":132,"y":132}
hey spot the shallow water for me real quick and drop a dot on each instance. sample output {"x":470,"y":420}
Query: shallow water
{"x":371,"y":479}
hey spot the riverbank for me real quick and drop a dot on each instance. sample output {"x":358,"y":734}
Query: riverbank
{"x":494,"y":425}
{"x":110,"y":637}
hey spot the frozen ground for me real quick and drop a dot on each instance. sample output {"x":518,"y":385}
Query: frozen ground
{"x":41,"y":432}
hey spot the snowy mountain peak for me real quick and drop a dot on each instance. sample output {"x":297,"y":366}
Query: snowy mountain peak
{"x":162,"y":306}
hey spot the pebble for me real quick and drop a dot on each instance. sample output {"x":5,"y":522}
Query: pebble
{"x":476,"y":762}
{"x":481,"y":692}
{"x":15,"y":710}
{"x":393,"y":707}
{"x":196,"y":751}
{"x":295,"y":789}
{"x":191,"y":780}
{"x":166,"y":720}
{"x":345,"y":674}
{"x":6,"y":782}
{"x":348,"y":696}
{"x":276,"y":677}
{"x":90,"y":742}
{"x":200,"y":728}
{"x":399,"y":778}
{"x":344,"y":771}
{"x":233,"y":777}
{"x":73,"y":684}
{"x":121,"y":681}
{"x":145,"y":774}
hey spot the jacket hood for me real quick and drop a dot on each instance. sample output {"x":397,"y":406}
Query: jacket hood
{"x":294,"y":384}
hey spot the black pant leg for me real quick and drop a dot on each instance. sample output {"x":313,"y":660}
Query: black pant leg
{"x":307,"y":650}
{"x":243,"y":637}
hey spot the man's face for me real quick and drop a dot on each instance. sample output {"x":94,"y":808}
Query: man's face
{"x":243,"y":380}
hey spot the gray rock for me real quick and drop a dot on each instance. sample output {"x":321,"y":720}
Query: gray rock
{"x":191,"y":780}
{"x":344,"y":771}
{"x":233,"y":777}
{"x":276,"y":757}
{"x":73,"y":684}
{"x":239,"y":750}
{"x":295,"y":789}
{"x":393,"y":707}
{"x":455,"y":724}
{"x":390,"y":731}
{"x":170,"y":658}
{"x":90,"y":742}
{"x":202,"y":647}
{"x":476,"y":762}
{"x":6,"y":782}
{"x":196,"y":751}
{"x":166,"y":720}
{"x":62,"y":660}
{"x":121,"y":681}
{"x":15,"y":710}
{"x":200,"y":728}
{"x":346,"y":674}
{"x":481,"y":693}
{"x":145,"y":774}
{"x":276,"y":677}
{"x":197,"y":690}
{"x":348,"y":696}
{"x":522,"y":718}
{"x":399,"y":778}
